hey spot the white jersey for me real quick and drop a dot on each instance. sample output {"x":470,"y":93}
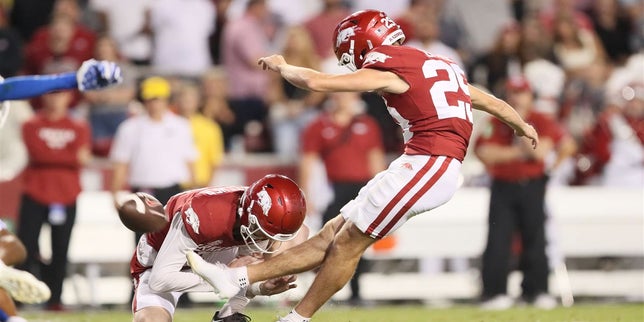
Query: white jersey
{"x":626,"y":165}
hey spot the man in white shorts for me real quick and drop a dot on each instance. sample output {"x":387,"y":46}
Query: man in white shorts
{"x":16,"y":284}
{"x":234,"y":225}
{"x":429,"y":97}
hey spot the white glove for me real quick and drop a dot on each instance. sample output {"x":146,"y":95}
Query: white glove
{"x":94,"y":74}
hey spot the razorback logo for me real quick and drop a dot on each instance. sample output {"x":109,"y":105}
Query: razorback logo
{"x":344,"y":35}
{"x":192,"y":219}
{"x":264,"y":201}
{"x":375,"y":56}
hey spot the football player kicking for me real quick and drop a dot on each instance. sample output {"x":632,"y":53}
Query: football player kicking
{"x":92,"y":75}
{"x":230,"y":225}
{"x":430,"y":98}
{"x":14,"y":283}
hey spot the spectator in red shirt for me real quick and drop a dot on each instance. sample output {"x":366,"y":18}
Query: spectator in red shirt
{"x":61,"y":43}
{"x":350,"y":145}
{"x":58,"y":147}
{"x":516,"y":202}
{"x":59,"y":47}
{"x":614,"y":148}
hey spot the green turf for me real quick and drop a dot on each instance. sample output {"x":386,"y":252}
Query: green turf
{"x":579,"y":313}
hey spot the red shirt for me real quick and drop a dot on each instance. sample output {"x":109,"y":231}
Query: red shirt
{"x":500,"y":134}
{"x":343,"y":149}
{"x":435,"y":113}
{"x":53,"y":173}
{"x":209,"y":216}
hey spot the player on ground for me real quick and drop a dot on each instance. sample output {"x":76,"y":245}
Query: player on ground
{"x":221,"y":224}
{"x":92,"y":75}
{"x":429,"y":97}
{"x":14,"y":283}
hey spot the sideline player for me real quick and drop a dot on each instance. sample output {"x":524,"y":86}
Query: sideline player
{"x":92,"y":75}
{"x":14,"y":283}
{"x":429,"y":97}
{"x":17,"y":284}
{"x":221,"y":224}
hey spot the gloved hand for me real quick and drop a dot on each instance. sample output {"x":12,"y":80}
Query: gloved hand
{"x":97,"y":74}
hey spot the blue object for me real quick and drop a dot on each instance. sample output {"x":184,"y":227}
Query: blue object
{"x":3,"y":316}
{"x":23,"y":87}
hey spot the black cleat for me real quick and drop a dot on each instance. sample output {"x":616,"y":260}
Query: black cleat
{"x":236,"y":317}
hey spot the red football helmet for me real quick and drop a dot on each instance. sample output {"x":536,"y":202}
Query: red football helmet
{"x":362,"y":31}
{"x":272,"y":208}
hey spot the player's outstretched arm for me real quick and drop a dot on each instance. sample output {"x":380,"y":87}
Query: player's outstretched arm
{"x":363,"y":80}
{"x":91,"y":75}
{"x":503,"y":111}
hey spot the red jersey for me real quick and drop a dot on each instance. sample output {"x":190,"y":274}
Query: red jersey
{"x":343,"y":149}
{"x":53,"y":173}
{"x":436,"y":112}
{"x":209,"y":216}
{"x":501,"y":134}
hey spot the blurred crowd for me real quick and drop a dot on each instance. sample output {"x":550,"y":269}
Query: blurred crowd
{"x":583,"y":60}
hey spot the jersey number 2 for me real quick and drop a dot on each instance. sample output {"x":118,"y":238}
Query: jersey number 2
{"x":446,"y":108}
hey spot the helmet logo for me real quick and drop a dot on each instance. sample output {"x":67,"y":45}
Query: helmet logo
{"x":375,"y":56}
{"x":344,"y":35}
{"x":192,"y":219}
{"x":264,"y":201}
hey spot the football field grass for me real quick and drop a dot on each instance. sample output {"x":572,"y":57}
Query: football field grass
{"x":578,"y":313}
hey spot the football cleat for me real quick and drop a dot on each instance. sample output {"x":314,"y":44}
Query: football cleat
{"x":222,"y":278}
{"x":22,"y":286}
{"x":236,"y":317}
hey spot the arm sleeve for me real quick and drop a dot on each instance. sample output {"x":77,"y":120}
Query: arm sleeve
{"x":167,"y":272}
{"x":22,"y":87}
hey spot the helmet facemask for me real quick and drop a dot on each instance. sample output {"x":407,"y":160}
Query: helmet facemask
{"x":253,"y":233}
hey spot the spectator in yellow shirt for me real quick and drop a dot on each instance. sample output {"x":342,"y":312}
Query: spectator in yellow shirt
{"x":206,"y":133}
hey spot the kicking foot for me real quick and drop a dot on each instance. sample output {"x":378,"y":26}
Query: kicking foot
{"x":22,"y":286}
{"x":228,"y":281}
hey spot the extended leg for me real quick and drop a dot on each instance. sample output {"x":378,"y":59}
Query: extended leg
{"x":337,"y":269}
{"x":298,"y":259}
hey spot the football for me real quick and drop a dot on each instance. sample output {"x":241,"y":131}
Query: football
{"x":141,"y":212}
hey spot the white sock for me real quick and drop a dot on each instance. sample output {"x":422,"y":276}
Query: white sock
{"x":240,"y":275}
{"x":294,"y":317}
{"x":235,"y":304}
